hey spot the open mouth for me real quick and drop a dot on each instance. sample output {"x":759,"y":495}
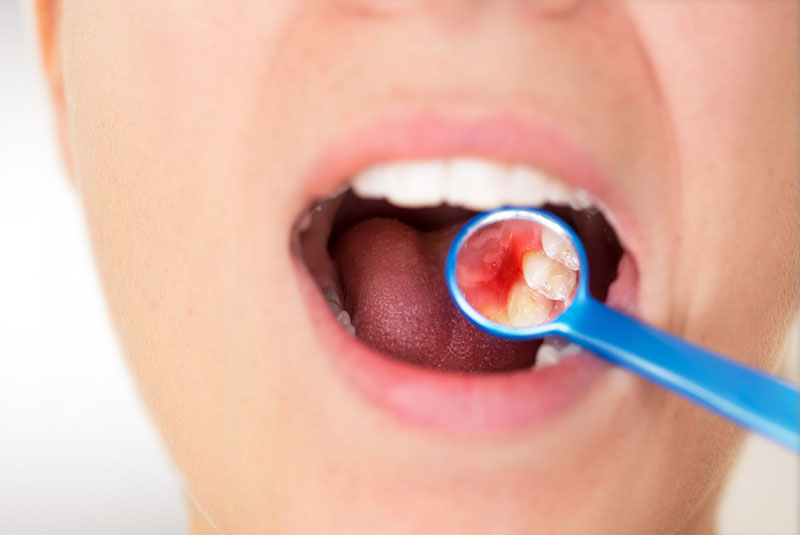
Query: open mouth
{"x":377,"y":249}
{"x":370,"y":248}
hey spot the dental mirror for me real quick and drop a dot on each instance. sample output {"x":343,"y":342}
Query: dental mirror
{"x":514,"y":271}
{"x":522,"y":274}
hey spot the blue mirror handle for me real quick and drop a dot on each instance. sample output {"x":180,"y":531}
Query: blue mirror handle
{"x":745,"y":395}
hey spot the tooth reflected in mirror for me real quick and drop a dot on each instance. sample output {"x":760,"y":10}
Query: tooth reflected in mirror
{"x":517,"y":272}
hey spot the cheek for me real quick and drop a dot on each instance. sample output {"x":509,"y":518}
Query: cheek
{"x":191,"y":243}
{"x":161,"y":104}
{"x":729,"y":74}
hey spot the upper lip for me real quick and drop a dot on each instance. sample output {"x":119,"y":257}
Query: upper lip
{"x":418,"y":136}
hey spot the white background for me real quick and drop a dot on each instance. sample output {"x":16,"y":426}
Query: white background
{"x":77,"y":452}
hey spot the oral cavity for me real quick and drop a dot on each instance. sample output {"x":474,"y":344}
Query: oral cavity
{"x":378,"y":254}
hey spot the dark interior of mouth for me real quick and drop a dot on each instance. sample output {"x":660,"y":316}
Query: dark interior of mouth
{"x":389,"y":265}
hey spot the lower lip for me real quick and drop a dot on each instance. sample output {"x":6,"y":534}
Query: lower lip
{"x":448,"y":401}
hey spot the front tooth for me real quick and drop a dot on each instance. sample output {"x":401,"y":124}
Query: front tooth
{"x":468,"y":182}
{"x":375,"y":182}
{"x":526,"y":308}
{"x":418,"y":184}
{"x":548,"y":277}
{"x":557,"y":193}
{"x":548,"y":355}
{"x":526,"y":187}
{"x":559,"y":249}
{"x":476,"y":184}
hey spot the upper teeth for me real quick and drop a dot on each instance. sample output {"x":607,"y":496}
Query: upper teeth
{"x":471,"y":183}
{"x":548,"y":277}
{"x":559,"y":249}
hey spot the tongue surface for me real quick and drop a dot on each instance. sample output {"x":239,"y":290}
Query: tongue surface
{"x":395,"y":291}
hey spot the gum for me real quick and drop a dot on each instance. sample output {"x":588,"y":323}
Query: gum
{"x":490,"y":262}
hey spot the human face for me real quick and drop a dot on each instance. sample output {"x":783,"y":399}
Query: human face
{"x":200,"y":133}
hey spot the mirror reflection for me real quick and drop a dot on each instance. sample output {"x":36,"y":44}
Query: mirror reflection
{"x":517,"y":272}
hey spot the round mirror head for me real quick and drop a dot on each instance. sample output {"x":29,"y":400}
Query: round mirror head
{"x":513,"y":270}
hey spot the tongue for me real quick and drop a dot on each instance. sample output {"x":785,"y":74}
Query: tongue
{"x":395,"y":291}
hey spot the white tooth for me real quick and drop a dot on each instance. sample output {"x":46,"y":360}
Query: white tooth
{"x":526,"y":187}
{"x":559,"y":249}
{"x":476,"y":184}
{"x":344,"y":319}
{"x":548,"y":277}
{"x":570,"y":349}
{"x":332,"y":296}
{"x":556,"y":341}
{"x":333,"y":300}
{"x":418,"y":184}
{"x":564,"y":346}
{"x":581,"y":200}
{"x":558,"y":193}
{"x":376,"y":182}
{"x":468,"y":182}
{"x":496,"y":314}
{"x":548,"y":355}
{"x":527,"y":308}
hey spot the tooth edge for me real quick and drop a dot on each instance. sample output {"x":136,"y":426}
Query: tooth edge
{"x":468,"y":182}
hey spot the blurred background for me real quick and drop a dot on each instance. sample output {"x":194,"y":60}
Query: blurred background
{"x":77,"y":452}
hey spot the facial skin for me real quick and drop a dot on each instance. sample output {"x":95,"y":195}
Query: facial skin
{"x":188,"y":129}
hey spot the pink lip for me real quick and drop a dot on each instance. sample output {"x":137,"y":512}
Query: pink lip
{"x":442,"y":400}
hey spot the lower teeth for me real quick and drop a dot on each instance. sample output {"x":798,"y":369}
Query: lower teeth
{"x":344,"y":319}
{"x":333,"y":299}
{"x":335,"y":304}
{"x":547,"y":355}
{"x":553,"y":351}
